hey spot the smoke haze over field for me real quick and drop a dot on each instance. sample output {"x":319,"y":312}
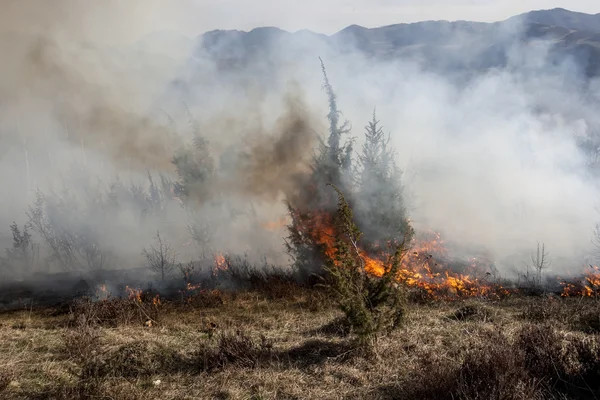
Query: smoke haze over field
{"x":492,"y":157}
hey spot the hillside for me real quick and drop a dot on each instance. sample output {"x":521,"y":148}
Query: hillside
{"x":440,"y":46}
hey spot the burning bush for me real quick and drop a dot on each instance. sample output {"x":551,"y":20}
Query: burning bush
{"x":370,"y":304}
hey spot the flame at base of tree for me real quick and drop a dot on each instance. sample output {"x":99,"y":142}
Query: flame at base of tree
{"x":419,"y":268}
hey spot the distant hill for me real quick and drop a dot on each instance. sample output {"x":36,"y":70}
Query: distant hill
{"x":441,"y":46}
{"x":560,"y":17}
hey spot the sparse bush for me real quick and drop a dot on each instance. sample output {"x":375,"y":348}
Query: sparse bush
{"x":203,"y":298}
{"x":543,"y":310}
{"x":273,"y":282}
{"x":20,"y":325}
{"x":472,"y":312}
{"x":81,"y":342}
{"x":138,"y":308}
{"x":235,"y":349}
{"x":589,"y":321}
{"x":20,"y":259}
{"x":370,"y":304}
{"x":134,"y":360}
{"x":492,"y":372}
{"x":570,"y":366}
{"x":65,"y":230}
{"x":161,"y":258}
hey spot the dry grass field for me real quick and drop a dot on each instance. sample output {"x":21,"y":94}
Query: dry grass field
{"x":290,"y":344}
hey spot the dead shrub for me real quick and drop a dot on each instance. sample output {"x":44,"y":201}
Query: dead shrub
{"x":204,"y":298}
{"x":491,"y":369}
{"x":568,"y":365}
{"x":542,"y":347}
{"x":472,"y":312}
{"x":315,"y":300}
{"x":544,"y":310}
{"x":589,"y":321}
{"x":82,"y":341}
{"x":338,"y":327}
{"x":492,"y":372}
{"x":272,"y":282}
{"x":114,"y":312}
{"x":316,"y":351}
{"x":134,"y":360}
{"x":234,"y":349}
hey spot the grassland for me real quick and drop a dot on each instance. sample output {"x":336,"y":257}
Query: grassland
{"x":290,"y":344}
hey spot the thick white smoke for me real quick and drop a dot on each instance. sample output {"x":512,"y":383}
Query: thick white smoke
{"x":490,"y":161}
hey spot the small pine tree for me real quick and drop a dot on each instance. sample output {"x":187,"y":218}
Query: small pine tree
{"x":380,"y":207}
{"x":370,"y":304}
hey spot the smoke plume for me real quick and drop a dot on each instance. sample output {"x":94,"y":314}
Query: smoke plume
{"x":91,"y":105}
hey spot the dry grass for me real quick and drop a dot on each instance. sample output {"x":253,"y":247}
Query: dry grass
{"x":251,"y":345}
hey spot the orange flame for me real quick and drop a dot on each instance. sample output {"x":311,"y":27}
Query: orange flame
{"x":134,"y":294}
{"x":589,"y":286}
{"x":418,"y":266}
{"x":221,"y":264}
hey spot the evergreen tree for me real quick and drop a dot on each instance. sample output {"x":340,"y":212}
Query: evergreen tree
{"x":370,"y":304}
{"x":311,"y":208}
{"x":380,"y":208}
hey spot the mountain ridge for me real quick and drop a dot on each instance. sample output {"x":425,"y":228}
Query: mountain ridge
{"x":556,"y":17}
{"x":441,"y":46}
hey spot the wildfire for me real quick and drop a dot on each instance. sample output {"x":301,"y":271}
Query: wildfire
{"x":589,"y":286}
{"x":419,"y":268}
{"x":220,"y":264}
{"x":134,"y":294}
